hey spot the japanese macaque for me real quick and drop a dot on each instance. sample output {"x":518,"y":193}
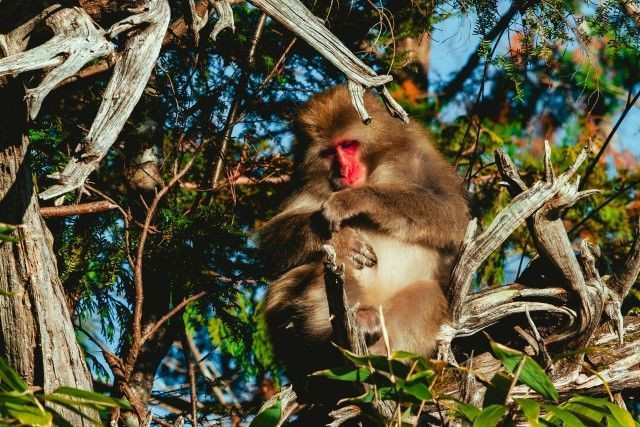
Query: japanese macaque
{"x":395,"y":212}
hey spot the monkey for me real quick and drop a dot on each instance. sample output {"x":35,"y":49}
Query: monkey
{"x":394,"y":210}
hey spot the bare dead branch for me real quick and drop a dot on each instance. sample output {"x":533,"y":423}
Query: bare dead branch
{"x":175,"y":310}
{"x":625,"y":275}
{"x":475,"y":249}
{"x":225,"y":17}
{"x":297,"y":18}
{"x":76,"y":41}
{"x":130,"y":76}
{"x":82,"y":209}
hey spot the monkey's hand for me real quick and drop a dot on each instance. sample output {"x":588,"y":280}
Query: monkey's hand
{"x":339,"y":207}
{"x":362,"y":254}
{"x":368,"y":320}
{"x":349,"y":243}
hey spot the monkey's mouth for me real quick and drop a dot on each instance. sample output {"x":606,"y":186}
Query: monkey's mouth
{"x":337,"y":183}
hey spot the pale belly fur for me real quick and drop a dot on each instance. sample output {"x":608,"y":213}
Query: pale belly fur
{"x":400,"y":264}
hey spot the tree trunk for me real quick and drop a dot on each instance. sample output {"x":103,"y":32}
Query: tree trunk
{"x":36,"y":333}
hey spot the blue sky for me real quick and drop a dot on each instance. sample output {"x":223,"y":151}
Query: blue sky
{"x":453,"y":41}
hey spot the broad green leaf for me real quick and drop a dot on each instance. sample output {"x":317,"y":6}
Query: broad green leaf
{"x":556,"y":413}
{"x":73,"y":406}
{"x":381,"y":393}
{"x":623,"y":417}
{"x":497,"y":389}
{"x":93,"y":397}
{"x":613,"y":422}
{"x":427,"y":376}
{"x":17,"y":397}
{"x":603,"y":408}
{"x":9,"y":379}
{"x":584,"y":409}
{"x":531,"y":374}
{"x":600,"y":408}
{"x":346,"y":373}
{"x":418,"y":388}
{"x":422,"y":362}
{"x":29,"y":415}
{"x":490,"y":416}
{"x":469,"y":412}
{"x":270,"y":417}
{"x":381,"y":363}
{"x":530,"y":410}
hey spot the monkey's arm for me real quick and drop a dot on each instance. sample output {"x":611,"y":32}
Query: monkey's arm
{"x":292,"y":239}
{"x":429,"y":216}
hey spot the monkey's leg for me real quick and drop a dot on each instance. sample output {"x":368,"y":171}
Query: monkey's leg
{"x":412,"y":318}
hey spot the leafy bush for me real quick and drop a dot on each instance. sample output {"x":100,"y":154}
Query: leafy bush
{"x":22,"y":405}
{"x":412,"y":382}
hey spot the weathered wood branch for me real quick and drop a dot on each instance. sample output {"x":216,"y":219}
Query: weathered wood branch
{"x":81,"y":209}
{"x":551,"y":239}
{"x":297,"y":18}
{"x":475,"y":249}
{"x":76,"y":42}
{"x":130,"y":75}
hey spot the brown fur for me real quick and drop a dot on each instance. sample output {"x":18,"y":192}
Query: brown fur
{"x":396,"y":234}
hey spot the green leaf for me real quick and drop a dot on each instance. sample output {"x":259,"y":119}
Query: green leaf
{"x":346,"y":373}
{"x":9,"y":379}
{"x":490,"y":416}
{"x":612,"y":422}
{"x":93,"y":397}
{"x":381,"y":363}
{"x":530,"y":410}
{"x":73,"y":406}
{"x":497,"y":389}
{"x":597,"y":409}
{"x":381,"y":393}
{"x":622,"y":416}
{"x":6,"y":294}
{"x":417,"y":387}
{"x":29,"y":415}
{"x":531,"y":374}
{"x":422,"y":362}
{"x":469,"y":412}
{"x":585,"y":410}
{"x":270,"y":417}
{"x":17,"y":397}
{"x":555,"y":413}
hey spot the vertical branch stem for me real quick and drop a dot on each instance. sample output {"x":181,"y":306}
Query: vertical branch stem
{"x":233,"y":109}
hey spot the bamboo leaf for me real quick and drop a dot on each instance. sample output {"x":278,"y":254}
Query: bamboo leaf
{"x":490,"y":416}
{"x":532,"y":374}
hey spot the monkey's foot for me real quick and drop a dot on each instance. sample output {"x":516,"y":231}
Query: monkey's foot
{"x":368,"y":320}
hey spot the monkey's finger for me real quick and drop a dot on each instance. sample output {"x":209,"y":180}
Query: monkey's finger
{"x":358,"y":260}
{"x":367,"y":251}
{"x":361,"y":261}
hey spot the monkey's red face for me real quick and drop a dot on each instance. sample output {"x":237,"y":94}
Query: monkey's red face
{"x":347,"y":168}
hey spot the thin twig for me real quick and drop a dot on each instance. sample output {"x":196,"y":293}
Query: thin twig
{"x":172,"y":313}
{"x":587,"y":174}
{"x":233,"y":109}
{"x":81,"y":209}
{"x":137,"y":278}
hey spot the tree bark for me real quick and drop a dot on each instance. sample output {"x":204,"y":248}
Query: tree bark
{"x":36,"y":333}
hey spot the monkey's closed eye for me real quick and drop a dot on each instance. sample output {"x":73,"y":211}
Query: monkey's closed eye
{"x":328,"y":152}
{"x":349,"y":146}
